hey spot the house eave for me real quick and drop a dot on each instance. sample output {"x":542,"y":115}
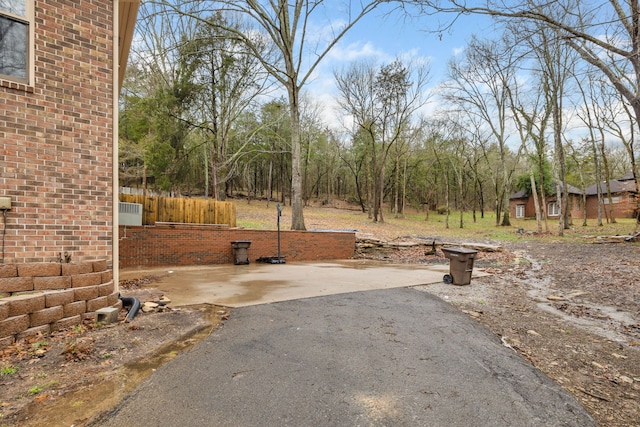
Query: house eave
{"x":127,"y":15}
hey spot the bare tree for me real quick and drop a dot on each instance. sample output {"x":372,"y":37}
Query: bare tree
{"x":556,"y":64}
{"x":532,"y":115}
{"x":230,"y":79}
{"x":605,"y":34}
{"x":382,"y":102}
{"x":592,"y":115}
{"x":286,"y":24}
{"x":478,"y":86}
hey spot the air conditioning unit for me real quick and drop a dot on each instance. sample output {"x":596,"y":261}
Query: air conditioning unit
{"x":129,"y":213}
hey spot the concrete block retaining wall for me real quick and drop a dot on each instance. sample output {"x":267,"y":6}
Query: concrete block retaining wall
{"x":45,"y":297}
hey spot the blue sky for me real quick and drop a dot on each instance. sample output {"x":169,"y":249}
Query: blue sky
{"x":383,"y":38}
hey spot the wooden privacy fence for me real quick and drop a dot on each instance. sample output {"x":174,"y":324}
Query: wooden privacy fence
{"x":188,"y":211}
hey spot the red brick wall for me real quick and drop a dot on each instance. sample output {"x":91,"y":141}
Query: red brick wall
{"x":622,"y":209}
{"x":575,"y":207}
{"x":56,"y":138}
{"x":185,"y":244}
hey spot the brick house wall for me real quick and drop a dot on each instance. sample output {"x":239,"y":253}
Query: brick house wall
{"x":575,"y":206}
{"x":56,"y":165}
{"x":56,"y":137}
{"x":529,"y":207}
{"x":623,"y":206}
{"x":186,"y":244}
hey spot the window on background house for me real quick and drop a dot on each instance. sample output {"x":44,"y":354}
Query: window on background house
{"x":15,"y":27}
{"x":614,"y":199}
{"x":519,"y":211}
{"x":553,"y":209}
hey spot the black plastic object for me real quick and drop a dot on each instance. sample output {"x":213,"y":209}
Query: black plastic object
{"x":135,"y":306}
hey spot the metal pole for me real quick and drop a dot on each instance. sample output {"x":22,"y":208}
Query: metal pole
{"x":279,"y":214}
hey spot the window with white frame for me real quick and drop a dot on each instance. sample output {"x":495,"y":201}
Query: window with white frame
{"x":553,"y":209}
{"x":15,"y":39}
{"x":520,"y":211}
{"x":614,"y":199}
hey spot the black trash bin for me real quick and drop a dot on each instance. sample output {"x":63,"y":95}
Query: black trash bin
{"x":241,"y":251}
{"x":460,"y":265}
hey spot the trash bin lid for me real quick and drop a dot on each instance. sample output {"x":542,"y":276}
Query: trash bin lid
{"x":460,"y":250}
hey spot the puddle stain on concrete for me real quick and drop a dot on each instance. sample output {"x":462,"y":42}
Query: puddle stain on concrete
{"x":254,"y":290}
{"x":243,"y":285}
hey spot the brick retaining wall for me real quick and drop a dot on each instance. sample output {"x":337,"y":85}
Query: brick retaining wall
{"x":45,"y":297}
{"x":168,"y":244}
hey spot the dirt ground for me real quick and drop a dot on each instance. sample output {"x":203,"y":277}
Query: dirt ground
{"x":69,"y":376}
{"x":571,"y":309}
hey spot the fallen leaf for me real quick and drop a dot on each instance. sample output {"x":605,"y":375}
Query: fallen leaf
{"x":472,"y":313}
{"x":625,"y":379}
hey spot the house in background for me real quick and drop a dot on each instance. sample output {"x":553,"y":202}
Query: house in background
{"x":624,"y":197}
{"x":521,"y":204}
{"x":61,"y":66}
{"x":623,"y":191}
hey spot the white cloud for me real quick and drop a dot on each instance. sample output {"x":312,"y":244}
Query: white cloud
{"x":458,"y":50}
{"x":354,"y":51}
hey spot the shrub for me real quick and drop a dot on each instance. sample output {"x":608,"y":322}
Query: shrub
{"x":441,"y":210}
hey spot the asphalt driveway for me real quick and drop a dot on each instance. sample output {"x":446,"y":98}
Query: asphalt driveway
{"x":387,"y":357}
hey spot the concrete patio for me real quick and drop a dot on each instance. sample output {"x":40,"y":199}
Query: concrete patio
{"x":256,"y":283}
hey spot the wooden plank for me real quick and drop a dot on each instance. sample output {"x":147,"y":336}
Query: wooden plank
{"x":150,"y":211}
{"x":184,"y":210}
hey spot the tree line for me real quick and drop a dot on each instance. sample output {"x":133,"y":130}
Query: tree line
{"x":214,"y":105}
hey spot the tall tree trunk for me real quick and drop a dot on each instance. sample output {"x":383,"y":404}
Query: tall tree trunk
{"x":481,"y":199}
{"x":598,"y":179}
{"x":297,"y":218}
{"x":214,"y":174}
{"x":381,"y":198}
{"x":584,"y":213}
{"x":562,"y":191}
{"x":536,"y":202}
{"x":404,"y":185}
{"x":634,"y":167}
{"x":144,"y":180}
{"x":396,"y":185}
{"x":269,"y":186}
{"x":370,"y":192}
{"x":206,"y":172}
{"x":446,"y":200}
{"x":506,"y":222}
{"x":607,"y":177}
{"x":375,"y":184}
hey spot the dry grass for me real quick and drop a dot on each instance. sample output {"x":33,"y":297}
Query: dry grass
{"x":340,"y":216}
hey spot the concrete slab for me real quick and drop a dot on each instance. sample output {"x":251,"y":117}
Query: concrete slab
{"x":253,"y":284}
